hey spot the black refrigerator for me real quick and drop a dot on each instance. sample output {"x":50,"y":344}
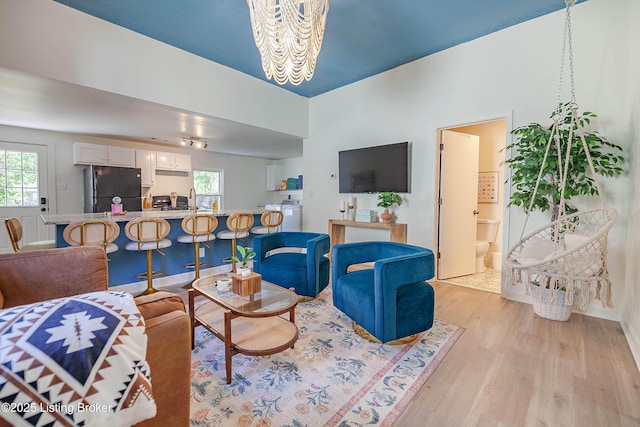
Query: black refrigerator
{"x":103,"y":183}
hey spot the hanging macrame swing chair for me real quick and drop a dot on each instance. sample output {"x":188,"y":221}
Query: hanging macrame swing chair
{"x":564,"y":262}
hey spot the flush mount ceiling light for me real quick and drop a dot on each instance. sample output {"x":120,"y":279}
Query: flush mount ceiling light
{"x":288,"y":34}
{"x":199,"y":142}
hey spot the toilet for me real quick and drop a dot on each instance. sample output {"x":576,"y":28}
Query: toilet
{"x":486,"y":232}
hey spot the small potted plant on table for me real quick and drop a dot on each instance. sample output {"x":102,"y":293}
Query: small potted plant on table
{"x":387,"y":199}
{"x":247,"y":254}
{"x":244,"y":282}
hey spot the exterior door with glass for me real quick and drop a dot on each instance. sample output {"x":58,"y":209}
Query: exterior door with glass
{"x":23,"y":191}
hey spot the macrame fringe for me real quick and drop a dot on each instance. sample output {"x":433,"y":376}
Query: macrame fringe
{"x":574,"y":291}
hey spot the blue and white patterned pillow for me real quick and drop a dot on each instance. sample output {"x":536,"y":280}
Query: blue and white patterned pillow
{"x":76,"y":361}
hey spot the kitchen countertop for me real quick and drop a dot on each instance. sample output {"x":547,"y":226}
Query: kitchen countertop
{"x":129,"y":216}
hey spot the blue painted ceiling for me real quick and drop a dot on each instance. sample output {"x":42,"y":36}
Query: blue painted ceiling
{"x":362,"y":37}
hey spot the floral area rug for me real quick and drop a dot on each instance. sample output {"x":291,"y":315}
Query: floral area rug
{"x":332,"y":377}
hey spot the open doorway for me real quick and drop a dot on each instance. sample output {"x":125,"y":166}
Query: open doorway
{"x":471,"y":204}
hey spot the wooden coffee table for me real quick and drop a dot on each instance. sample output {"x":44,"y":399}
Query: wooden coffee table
{"x":249,"y":325}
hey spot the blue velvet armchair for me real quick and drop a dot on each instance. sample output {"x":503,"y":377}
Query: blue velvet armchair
{"x":307,"y":272}
{"x":390,"y":301}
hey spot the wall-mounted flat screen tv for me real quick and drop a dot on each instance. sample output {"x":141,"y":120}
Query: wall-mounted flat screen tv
{"x":374,"y":169}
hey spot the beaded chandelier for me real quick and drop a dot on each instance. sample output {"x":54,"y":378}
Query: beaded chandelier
{"x":288,"y":34}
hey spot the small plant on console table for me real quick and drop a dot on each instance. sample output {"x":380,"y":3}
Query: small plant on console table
{"x":387,"y":199}
{"x":247,"y":254}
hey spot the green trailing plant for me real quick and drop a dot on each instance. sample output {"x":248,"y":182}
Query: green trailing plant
{"x":247,"y":254}
{"x":387,"y":199}
{"x":528,"y":153}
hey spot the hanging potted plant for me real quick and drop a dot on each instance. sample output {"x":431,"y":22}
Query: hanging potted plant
{"x":387,"y":199}
{"x":247,"y":254}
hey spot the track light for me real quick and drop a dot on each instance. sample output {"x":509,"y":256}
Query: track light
{"x":200,"y":143}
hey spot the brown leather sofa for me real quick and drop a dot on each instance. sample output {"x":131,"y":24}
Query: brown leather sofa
{"x":28,"y":277}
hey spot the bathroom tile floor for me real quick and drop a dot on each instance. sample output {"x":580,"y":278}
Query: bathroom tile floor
{"x":487,"y":281}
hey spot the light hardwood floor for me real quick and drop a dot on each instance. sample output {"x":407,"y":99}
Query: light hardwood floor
{"x":512,"y":368}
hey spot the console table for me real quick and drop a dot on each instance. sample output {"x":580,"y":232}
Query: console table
{"x":398,"y":232}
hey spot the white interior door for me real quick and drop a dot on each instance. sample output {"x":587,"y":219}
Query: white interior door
{"x":458,"y":206}
{"x":23,"y":183}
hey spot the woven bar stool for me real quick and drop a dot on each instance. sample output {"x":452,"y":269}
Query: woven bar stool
{"x":238,"y":226}
{"x":14,"y":229}
{"x":270,"y":221}
{"x":94,"y":232}
{"x":148,"y":234}
{"x":199,"y":229}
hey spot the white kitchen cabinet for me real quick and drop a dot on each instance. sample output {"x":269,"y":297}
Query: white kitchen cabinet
{"x":146,"y":161}
{"x":165,"y":161}
{"x":96,"y":154}
{"x":183,"y":162}
{"x":173,"y":162}
{"x":121,"y":156}
{"x":89,"y":154}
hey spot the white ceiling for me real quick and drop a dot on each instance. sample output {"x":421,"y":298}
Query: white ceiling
{"x":37,"y":103}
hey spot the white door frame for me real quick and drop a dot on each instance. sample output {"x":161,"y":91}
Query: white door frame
{"x":506,"y":220}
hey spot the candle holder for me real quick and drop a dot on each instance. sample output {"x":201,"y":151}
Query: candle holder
{"x":351,"y":212}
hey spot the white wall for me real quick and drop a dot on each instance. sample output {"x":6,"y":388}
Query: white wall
{"x":631,"y":104}
{"x":514,"y":73}
{"x":47,"y":39}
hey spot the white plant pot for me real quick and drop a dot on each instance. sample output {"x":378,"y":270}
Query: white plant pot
{"x":244,"y":271}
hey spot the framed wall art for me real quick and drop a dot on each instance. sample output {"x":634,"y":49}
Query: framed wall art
{"x":488,"y":187}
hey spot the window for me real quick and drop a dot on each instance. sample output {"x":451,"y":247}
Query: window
{"x":18,"y":178}
{"x":208,"y":186}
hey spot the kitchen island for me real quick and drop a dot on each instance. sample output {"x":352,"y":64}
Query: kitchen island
{"x":124,"y":265}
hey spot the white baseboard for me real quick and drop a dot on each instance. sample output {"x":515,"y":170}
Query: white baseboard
{"x":634,"y":341}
